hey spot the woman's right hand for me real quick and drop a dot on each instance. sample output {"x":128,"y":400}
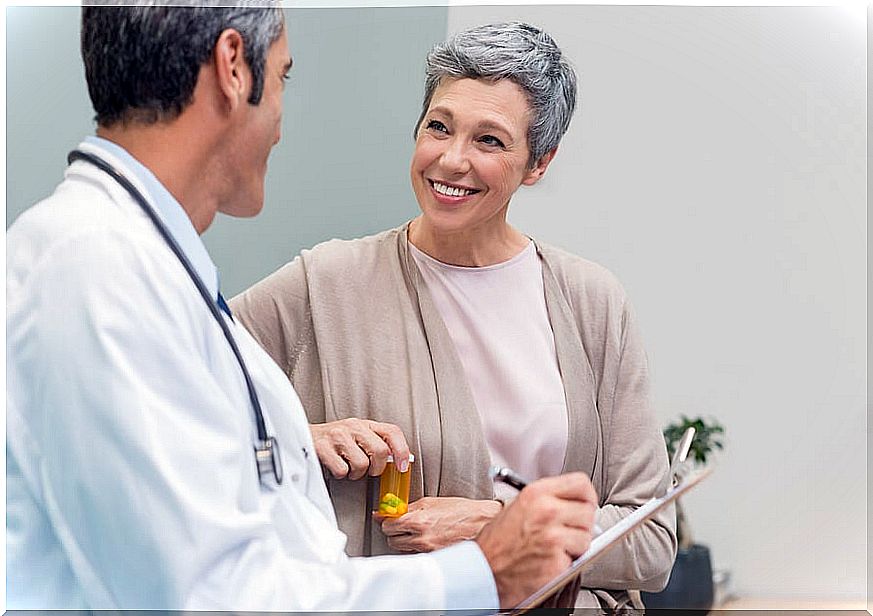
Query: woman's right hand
{"x":352,"y":448}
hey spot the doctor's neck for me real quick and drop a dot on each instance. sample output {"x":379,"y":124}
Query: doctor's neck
{"x":178,"y":157}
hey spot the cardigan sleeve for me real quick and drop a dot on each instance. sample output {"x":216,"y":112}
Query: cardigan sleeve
{"x":636,"y":469}
{"x":277,"y":313}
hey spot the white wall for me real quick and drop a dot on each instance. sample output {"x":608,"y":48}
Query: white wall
{"x":717,"y":167}
{"x":869,"y":363}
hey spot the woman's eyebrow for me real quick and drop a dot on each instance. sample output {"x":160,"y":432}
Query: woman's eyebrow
{"x":483,"y":125}
{"x":442,"y":110}
{"x":493,"y":125}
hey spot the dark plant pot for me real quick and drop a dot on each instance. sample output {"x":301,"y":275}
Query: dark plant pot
{"x":690,"y":588}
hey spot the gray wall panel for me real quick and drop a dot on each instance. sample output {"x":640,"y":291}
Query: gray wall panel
{"x":341,"y":169}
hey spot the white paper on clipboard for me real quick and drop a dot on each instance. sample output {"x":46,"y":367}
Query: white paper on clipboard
{"x":608,"y":539}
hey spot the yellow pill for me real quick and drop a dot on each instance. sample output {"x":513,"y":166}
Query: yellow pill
{"x":401,"y":508}
{"x":390,"y":510}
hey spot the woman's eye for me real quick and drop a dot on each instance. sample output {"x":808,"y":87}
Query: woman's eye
{"x":491,"y":140}
{"x":437,"y":125}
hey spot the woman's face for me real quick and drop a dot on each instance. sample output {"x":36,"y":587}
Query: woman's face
{"x":471,"y":154}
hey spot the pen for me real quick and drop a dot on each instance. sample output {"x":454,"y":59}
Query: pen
{"x":508,"y":476}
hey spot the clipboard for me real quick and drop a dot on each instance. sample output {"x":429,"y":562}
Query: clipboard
{"x":608,"y":539}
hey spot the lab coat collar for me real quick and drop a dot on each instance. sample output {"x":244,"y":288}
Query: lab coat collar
{"x":169,"y":210}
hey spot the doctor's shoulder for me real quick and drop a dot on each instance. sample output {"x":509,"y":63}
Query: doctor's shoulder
{"x":79,"y":241}
{"x":75,"y":214}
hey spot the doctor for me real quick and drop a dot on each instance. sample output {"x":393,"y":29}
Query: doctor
{"x":156,"y":457}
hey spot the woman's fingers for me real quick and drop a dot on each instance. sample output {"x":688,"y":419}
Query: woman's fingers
{"x":352,"y":448}
{"x":392,"y":528}
{"x":333,"y":462}
{"x":404,"y":543}
{"x":375,"y":448}
{"x":357,"y":459}
{"x":393,"y":436}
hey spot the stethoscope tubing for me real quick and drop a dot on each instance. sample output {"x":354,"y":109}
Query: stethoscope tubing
{"x":267,"y":441}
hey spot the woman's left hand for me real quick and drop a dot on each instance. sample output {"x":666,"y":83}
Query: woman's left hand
{"x":435,"y":522}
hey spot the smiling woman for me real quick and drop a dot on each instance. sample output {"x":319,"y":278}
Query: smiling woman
{"x":470,"y":157}
{"x":458,"y":338}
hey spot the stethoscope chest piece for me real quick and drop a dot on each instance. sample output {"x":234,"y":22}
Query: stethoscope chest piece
{"x":269,"y":461}
{"x":267,"y":455}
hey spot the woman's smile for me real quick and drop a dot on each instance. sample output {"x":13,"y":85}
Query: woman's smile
{"x":471,"y":156}
{"x":447,"y":193}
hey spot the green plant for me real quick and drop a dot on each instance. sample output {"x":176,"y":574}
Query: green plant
{"x":707,"y":438}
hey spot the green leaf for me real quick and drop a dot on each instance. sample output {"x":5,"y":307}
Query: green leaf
{"x":706,"y":439}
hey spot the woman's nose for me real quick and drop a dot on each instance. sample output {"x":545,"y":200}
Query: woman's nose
{"x":455,"y":158}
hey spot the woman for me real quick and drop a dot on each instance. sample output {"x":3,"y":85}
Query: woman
{"x":460,"y":335}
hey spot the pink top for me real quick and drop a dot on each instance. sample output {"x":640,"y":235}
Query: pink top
{"x":496,"y":316}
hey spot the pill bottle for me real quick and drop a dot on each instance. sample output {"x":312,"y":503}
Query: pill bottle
{"x":394,"y":489}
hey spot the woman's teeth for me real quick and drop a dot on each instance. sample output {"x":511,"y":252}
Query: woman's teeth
{"x":452,"y":191}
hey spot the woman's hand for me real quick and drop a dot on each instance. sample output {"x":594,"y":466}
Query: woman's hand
{"x":435,"y":522}
{"x":351,"y":448}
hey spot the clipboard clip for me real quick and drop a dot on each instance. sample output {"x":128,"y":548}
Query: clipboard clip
{"x":680,"y":465}
{"x":683,"y":479}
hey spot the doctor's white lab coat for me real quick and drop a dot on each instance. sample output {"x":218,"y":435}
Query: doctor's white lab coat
{"x":131,"y":479}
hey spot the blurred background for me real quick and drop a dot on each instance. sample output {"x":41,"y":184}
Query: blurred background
{"x":717,"y":165}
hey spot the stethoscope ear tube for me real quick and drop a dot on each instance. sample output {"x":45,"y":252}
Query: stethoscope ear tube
{"x":267,"y":454}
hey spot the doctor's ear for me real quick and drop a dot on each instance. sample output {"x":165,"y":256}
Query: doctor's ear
{"x":539,"y":170}
{"x":232,"y":71}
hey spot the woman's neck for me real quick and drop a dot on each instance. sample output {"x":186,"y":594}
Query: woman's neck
{"x":467,"y":248}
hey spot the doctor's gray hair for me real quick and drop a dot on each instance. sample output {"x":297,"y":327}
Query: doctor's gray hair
{"x":142,"y":62}
{"x":521,"y":53}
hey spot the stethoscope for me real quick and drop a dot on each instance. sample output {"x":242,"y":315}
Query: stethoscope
{"x":267,"y":455}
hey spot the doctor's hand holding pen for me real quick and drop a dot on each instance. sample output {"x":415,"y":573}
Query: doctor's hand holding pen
{"x":353,"y":448}
{"x":539,"y":534}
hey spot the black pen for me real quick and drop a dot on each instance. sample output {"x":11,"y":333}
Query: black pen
{"x":508,"y":476}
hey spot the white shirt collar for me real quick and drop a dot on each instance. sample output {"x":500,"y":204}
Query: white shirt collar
{"x":170,"y":212}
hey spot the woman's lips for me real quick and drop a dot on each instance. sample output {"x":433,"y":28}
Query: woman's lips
{"x":451,"y":194}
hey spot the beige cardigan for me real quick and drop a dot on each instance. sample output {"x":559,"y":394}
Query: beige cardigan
{"x":352,"y":325}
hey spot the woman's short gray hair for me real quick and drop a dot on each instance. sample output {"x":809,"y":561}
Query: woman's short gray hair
{"x":521,"y":53}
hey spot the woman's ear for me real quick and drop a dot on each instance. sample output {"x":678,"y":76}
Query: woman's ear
{"x":231,"y":69}
{"x":533,"y":176}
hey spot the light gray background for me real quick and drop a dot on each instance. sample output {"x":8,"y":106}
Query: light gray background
{"x":716,"y":166}
{"x":869,"y":359}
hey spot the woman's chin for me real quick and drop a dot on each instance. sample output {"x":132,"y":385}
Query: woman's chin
{"x":445,"y":223}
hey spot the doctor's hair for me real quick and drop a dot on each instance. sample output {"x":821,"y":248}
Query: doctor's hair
{"x":521,"y":53}
{"x":142,"y":62}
